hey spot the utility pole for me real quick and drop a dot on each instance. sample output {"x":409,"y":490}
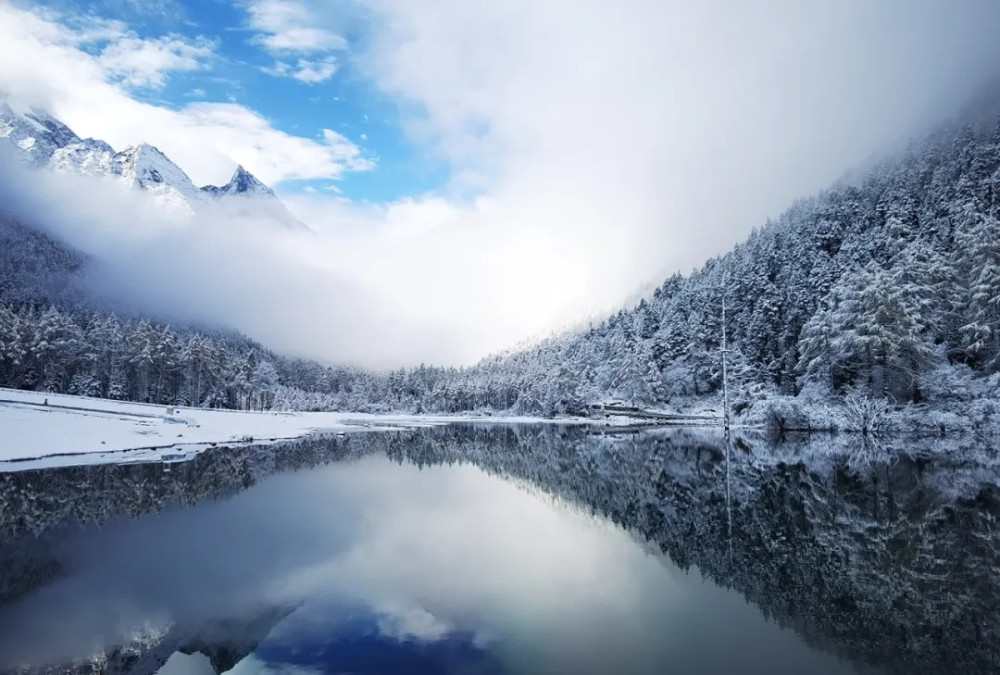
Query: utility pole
{"x":729,"y":505}
{"x":725,"y":381}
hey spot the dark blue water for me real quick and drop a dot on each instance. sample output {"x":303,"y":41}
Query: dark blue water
{"x":503,"y":551}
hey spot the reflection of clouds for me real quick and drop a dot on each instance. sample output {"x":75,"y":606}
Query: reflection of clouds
{"x":251,"y":665}
{"x":463,"y":543}
{"x":431,"y":552}
{"x":410,"y":623}
{"x":326,"y":613}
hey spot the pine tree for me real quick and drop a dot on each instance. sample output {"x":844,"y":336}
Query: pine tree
{"x":978,"y":256}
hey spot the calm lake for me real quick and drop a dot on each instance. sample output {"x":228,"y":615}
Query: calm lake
{"x":492,"y":549}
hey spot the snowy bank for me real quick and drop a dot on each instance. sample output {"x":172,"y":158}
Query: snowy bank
{"x":40,"y":429}
{"x":38,"y":424}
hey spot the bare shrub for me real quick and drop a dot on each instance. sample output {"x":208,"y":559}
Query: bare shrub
{"x":865,"y":414}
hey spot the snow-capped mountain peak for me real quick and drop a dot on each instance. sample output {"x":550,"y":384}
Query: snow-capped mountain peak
{"x":242,"y":183}
{"x":45,"y":142}
{"x":244,"y":196}
{"x":145,"y":167}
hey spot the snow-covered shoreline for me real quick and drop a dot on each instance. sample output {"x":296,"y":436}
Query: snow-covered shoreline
{"x":39,"y":429}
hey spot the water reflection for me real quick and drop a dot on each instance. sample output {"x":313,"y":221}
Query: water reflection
{"x":505,"y":550}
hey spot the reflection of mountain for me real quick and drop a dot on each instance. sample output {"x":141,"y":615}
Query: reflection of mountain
{"x":34,"y":503}
{"x":224,"y":642}
{"x":894,"y":566}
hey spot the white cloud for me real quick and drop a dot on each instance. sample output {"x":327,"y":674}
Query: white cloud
{"x":287,"y":26}
{"x":305,"y":70}
{"x":312,"y":72}
{"x":42,"y":63}
{"x":125,"y":57}
{"x":349,"y":153}
{"x":172,"y":10}
{"x":253,"y":665}
{"x":274,"y":154}
{"x":403,"y":622}
{"x":85,"y":28}
{"x":180,"y":663}
{"x":279,"y":69}
{"x":609,"y":144}
{"x":139,"y":62}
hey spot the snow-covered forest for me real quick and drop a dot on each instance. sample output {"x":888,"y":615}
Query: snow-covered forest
{"x":888,"y":285}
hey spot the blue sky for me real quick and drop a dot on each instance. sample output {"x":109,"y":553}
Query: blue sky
{"x":300,"y":88}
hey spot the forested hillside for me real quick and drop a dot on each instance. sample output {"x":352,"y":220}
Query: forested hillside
{"x":890,"y":285}
{"x":56,"y":336}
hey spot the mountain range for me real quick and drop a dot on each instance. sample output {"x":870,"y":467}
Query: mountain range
{"x":44,"y":142}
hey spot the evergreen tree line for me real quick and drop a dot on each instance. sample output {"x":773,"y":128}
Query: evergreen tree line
{"x":67,"y":349}
{"x":98,"y":354}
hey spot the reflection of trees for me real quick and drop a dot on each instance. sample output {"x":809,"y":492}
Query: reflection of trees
{"x":891,"y":564}
{"x":36,"y":507}
{"x":34,"y":502}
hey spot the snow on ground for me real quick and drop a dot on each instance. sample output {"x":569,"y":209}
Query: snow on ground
{"x":36,"y":424}
{"x":38,"y":429}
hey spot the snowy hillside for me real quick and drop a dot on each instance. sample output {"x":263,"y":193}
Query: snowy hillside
{"x":87,"y":156}
{"x":37,"y":424}
{"x":886,"y":285}
{"x":45,"y":142}
{"x":36,"y":134}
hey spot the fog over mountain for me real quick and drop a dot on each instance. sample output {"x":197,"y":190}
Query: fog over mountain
{"x":885,"y":287}
{"x":591,"y":150}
